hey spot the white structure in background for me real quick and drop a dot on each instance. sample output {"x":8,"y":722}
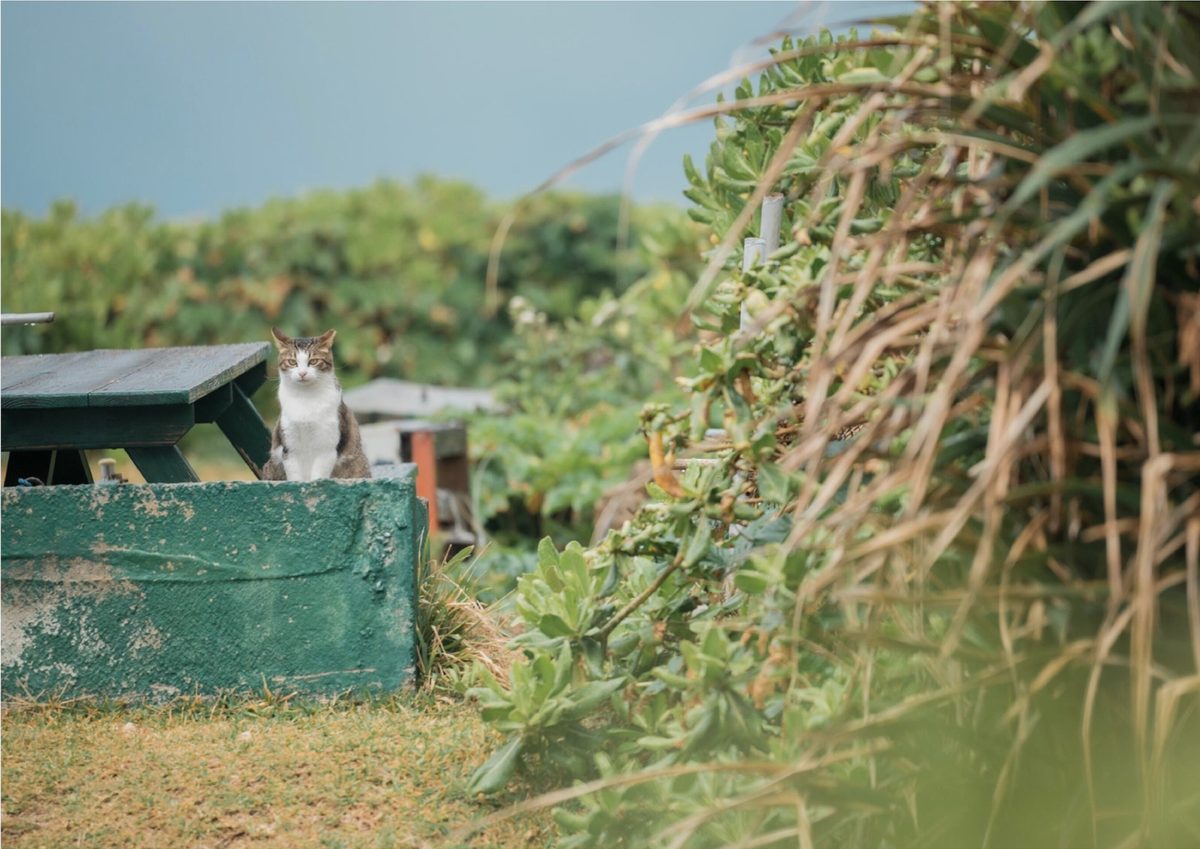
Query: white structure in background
{"x":386,"y":397}
{"x":395,"y":420}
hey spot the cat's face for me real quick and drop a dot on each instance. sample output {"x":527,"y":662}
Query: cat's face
{"x":305,"y":361}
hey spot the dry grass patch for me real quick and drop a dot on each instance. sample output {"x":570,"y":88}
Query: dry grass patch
{"x":382,"y":774}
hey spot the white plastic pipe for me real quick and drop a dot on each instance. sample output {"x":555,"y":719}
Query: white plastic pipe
{"x":772,"y":217}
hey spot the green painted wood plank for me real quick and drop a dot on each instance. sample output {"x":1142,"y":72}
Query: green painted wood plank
{"x":180,"y":375}
{"x":244,"y":427}
{"x":120,"y":378}
{"x":163,"y":464}
{"x":72,"y":383}
{"x":15,"y":371}
{"x":97,"y":427}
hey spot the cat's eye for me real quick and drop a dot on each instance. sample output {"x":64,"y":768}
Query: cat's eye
{"x":318,"y":363}
{"x":288,"y":363}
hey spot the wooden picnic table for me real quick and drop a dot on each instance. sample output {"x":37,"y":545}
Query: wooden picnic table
{"x":54,"y":406}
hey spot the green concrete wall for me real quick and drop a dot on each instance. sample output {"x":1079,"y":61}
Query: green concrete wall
{"x":160,"y":589}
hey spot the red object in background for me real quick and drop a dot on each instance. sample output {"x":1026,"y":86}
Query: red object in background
{"x":424,"y":454}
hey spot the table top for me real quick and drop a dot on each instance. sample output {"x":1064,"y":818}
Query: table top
{"x":120,"y":378}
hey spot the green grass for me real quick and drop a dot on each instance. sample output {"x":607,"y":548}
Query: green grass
{"x":263,"y":773}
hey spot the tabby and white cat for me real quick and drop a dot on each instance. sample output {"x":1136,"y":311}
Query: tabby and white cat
{"x":316,"y":435}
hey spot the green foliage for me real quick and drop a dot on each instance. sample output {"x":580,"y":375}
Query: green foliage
{"x":548,"y":697}
{"x":397,"y":269}
{"x":573,"y":390}
{"x":930,"y":589}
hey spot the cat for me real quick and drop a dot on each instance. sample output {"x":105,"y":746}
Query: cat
{"x":316,"y":435}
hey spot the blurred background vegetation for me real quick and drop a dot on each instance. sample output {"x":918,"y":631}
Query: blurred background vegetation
{"x":398,"y":269}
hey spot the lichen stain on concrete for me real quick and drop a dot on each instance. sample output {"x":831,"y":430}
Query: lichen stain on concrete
{"x":164,"y":692}
{"x":399,"y":621}
{"x":18,"y":621}
{"x":74,"y":591}
{"x":88,"y":641}
{"x":100,"y":497}
{"x":153,"y":505}
{"x":146,"y":637}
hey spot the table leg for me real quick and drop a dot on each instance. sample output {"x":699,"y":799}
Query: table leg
{"x":162,"y":464}
{"x":70,"y":467}
{"x":244,"y":427}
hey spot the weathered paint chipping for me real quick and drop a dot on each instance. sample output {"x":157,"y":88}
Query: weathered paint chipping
{"x":158,"y":589}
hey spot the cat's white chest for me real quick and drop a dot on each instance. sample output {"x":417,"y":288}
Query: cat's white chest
{"x":309,"y":420}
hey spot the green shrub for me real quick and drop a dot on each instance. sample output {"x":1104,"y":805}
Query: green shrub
{"x":935,"y":589}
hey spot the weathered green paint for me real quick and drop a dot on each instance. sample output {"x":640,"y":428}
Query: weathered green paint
{"x":118,"y":378}
{"x":157,"y":589}
{"x":95,"y":427}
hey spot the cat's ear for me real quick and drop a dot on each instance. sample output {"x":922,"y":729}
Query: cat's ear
{"x":325,"y":340}
{"x":281,"y":341}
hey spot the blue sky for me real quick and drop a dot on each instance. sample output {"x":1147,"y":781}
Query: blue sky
{"x":198,"y":107}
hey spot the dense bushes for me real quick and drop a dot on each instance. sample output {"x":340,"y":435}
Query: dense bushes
{"x":399,"y":270}
{"x":940,"y":586}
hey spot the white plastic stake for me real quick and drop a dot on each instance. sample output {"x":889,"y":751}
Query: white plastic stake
{"x":772,"y":217}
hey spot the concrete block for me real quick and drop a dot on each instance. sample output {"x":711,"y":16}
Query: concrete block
{"x":157,"y":590}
